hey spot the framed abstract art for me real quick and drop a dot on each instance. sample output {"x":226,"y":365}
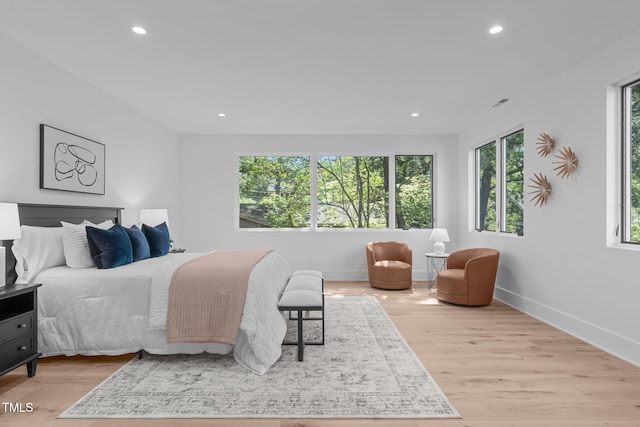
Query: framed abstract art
{"x":69,"y":162}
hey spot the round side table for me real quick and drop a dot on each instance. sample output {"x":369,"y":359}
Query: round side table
{"x":438,"y":262}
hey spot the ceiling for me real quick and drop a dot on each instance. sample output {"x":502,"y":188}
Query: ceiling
{"x":317,"y":66}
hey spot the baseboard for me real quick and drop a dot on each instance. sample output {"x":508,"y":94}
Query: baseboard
{"x":363,"y":276}
{"x":611,"y":342}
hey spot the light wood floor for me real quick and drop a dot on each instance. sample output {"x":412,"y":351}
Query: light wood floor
{"x":497,"y":366}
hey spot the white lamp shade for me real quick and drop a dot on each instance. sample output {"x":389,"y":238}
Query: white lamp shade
{"x":9,"y":221}
{"x":439,"y":235}
{"x":154,"y":217}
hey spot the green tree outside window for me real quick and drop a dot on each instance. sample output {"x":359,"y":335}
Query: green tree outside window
{"x":500,"y":184}
{"x":513,"y":148}
{"x":414,"y":195}
{"x":275,"y":192}
{"x":353,"y":192}
{"x":486,"y":187}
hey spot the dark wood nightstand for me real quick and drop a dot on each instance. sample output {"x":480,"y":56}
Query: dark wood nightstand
{"x":19,"y":328}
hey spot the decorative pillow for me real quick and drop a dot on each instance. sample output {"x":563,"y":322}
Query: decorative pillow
{"x":139,"y":243}
{"x":109,"y":248}
{"x":74,"y":242}
{"x":158,"y":238}
{"x":37,"y":248}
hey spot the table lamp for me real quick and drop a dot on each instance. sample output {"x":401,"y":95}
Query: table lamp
{"x":439,"y":235}
{"x":9,"y":230}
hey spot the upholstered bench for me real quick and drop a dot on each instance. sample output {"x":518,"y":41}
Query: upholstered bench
{"x":304,"y":293}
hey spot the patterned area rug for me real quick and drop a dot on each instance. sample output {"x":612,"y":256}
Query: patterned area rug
{"x":364,"y":370}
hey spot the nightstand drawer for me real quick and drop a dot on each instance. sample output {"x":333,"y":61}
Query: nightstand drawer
{"x":19,"y":327}
{"x":16,"y":326}
{"x":16,"y":350}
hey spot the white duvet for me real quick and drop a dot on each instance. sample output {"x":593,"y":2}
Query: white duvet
{"x":123,"y":310}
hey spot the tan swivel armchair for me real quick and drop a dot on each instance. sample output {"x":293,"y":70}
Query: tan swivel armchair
{"x":470,"y":277}
{"x":389,"y":265}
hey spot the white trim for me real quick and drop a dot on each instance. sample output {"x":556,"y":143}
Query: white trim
{"x":313,"y":181}
{"x":434,"y":188}
{"x":419,"y":274}
{"x":590,"y":333}
{"x":613,"y":170}
{"x":617,"y":161}
{"x":391,"y":192}
{"x":235,"y":181}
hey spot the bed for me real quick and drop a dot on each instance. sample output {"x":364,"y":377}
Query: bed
{"x":91,"y":311}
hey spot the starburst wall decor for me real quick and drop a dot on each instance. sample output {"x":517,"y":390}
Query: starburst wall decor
{"x":546,"y":144}
{"x":542,"y":189}
{"x":568,"y":162}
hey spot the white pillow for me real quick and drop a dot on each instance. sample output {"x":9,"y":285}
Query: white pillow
{"x":75,"y":244}
{"x":37,"y":248}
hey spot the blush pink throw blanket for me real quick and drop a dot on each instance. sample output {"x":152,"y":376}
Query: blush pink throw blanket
{"x":206,"y":296}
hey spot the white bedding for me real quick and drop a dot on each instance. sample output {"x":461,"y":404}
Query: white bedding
{"x":123,"y":310}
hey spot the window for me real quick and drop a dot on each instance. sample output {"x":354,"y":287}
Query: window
{"x":353,"y":192}
{"x":414,"y":192}
{"x":631,"y":163}
{"x":274,"y":192}
{"x":500,"y":184}
{"x":513,"y":178}
{"x":486,"y":187}
{"x":335,"y":192}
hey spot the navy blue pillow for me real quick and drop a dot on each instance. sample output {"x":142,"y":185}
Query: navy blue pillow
{"x":109,"y":248}
{"x":139,"y":243}
{"x":158,"y":238}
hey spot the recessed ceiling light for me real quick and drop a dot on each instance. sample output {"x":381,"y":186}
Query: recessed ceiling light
{"x":139,"y":30}
{"x":495,"y":29}
{"x":415,"y":114}
{"x":222,"y":115}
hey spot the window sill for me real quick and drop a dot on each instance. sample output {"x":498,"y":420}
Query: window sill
{"x":334,"y":230}
{"x":497,"y":233}
{"x":624,"y":246}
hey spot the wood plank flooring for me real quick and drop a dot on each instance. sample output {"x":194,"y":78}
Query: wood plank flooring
{"x":497,"y":366}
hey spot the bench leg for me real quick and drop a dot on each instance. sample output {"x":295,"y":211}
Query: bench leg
{"x":300,"y":337}
{"x":322,"y":325}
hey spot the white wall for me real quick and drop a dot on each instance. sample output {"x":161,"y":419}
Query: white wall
{"x":209,"y":163}
{"x":562,"y":270}
{"x":141,"y":155}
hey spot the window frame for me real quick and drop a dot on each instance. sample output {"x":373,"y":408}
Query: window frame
{"x":499,"y":142}
{"x":313,"y":159}
{"x":477,"y":153}
{"x":625,"y":163}
{"x":237,"y":196}
{"x":503,"y":183}
{"x":393,"y":220}
{"x":385,"y":159}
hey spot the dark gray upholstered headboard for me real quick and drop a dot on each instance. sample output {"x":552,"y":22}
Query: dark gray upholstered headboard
{"x":50,"y":216}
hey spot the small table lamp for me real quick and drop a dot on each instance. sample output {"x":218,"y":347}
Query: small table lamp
{"x":153,"y":217}
{"x":9,"y":230}
{"x":439,"y":235}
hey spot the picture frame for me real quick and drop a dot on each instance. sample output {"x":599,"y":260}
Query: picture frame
{"x":69,"y":162}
